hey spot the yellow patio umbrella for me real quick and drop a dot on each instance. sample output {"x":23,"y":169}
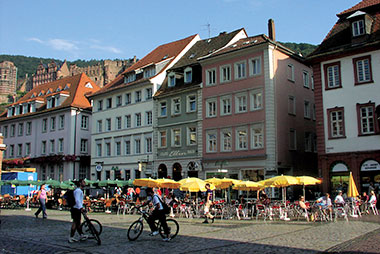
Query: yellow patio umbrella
{"x":188,"y":179}
{"x":219,"y":183}
{"x":231,"y":181}
{"x":352,"y":191}
{"x":146,"y":182}
{"x":195,"y":185}
{"x":168,"y":183}
{"x":248,"y":186}
{"x":307,"y":180}
{"x":281,"y":181}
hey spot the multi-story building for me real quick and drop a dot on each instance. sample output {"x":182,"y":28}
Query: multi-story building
{"x":122,"y":130}
{"x":8,"y":80}
{"x":347,"y":98}
{"x":178,"y":110}
{"x":49,"y":73}
{"x":258,"y":117}
{"x":103,"y":72}
{"x":50,"y":128}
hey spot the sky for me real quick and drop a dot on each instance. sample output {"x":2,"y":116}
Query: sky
{"x":122,"y":29}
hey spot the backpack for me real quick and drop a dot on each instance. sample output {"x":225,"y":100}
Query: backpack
{"x":166,"y":208}
{"x":70,"y":199}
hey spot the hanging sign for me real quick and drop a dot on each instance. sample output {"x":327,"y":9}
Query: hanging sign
{"x":370,"y":165}
{"x":339,"y":167}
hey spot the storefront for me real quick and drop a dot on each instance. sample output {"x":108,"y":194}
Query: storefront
{"x":369,"y":172}
{"x":339,"y":177}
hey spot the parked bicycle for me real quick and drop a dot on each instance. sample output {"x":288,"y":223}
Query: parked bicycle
{"x":137,"y":227}
{"x":92,"y":227}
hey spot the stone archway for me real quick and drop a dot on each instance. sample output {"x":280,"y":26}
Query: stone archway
{"x":162,"y":171}
{"x":177,"y":171}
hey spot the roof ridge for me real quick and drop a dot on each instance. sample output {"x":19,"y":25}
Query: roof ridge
{"x":359,"y":6}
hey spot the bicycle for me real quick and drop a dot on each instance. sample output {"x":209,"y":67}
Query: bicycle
{"x":91,"y":229}
{"x":137,"y":227}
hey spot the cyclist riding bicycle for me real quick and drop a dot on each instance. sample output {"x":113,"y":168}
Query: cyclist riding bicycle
{"x":157,"y":214}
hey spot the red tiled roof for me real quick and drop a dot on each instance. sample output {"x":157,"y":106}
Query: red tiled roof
{"x":359,"y":6}
{"x":165,"y":51}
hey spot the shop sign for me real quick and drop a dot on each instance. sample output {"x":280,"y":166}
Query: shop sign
{"x":339,"y":167}
{"x":370,"y":165}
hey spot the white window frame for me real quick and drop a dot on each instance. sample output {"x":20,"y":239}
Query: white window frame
{"x":119,"y":100}
{"x":163,"y":137}
{"x":118,"y":148}
{"x":84,"y":122}
{"x":27,"y":149}
{"x":148,"y":93}
{"x":119,"y":123}
{"x":210,"y":77}
{"x":240,"y":70}
{"x":211,"y":108}
{"x":148,"y":145}
{"x":176,"y":106}
{"x":108,"y":148}
{"x":43,"y":127}
{"x":138,"y":121}
{"x":52,"y":145}
{"x":149,"y":117}
{"x":186,"y":78}
{"x":255,"y":66}
{"x":127,"y":147}
{"x":128,"y":98}
{"x":226,"y":143}
{"x":99,"y":126}
{"x":61,"y":122}
{"x":163,"y":105}
{"x":108,"y":124}
{"x":191,"y":99}
{"x":368,"y":120}
{"x":52,"y":123}
{"x":211,"y":143}
{"x":358,"y":27}
{"x":257,"y":138}
{"x":241,"y":104}
{"x":43,"y":147}
{"x":306,"y":79}
{"x":307,"y":109}
{"x":99,"y":150}
{"x":84,"y":145}
{"x":137,"y":146}
{"x":226,"y":108}
{"x":241,"y":141}
{"x":290,"y":72}
{"x":256,"y":99}
{"x":192,"y":132}
{"x":175,"y":135}
{"x":291,"y":105}
{"x":127,"y":121}
{"x":225,"y":73}
{"x":308,"y":142}
{"x":20,"y":129}
{"x":171,"y":80}
{"x":61,"y":145}
{"x":138,"y":96}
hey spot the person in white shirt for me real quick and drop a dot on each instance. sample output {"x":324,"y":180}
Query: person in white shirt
{"x":372,"y":199}
{"x":76,"y":213}
{"x":339,"y":199}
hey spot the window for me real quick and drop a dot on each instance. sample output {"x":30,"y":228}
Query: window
{"x":163,"y":109}
{"x":20,"y":129}
{"x":44,"y":125}
{"x":118,"y":123}
{"x":241,"y":103}
{"x":130,"y":78}
{"x":256,"y":99}
{"x":292,"y":139}
{"x":332,"y":75}
{"x":308,"y":141}
{"x":336,"y":123}
{"x":19,"y":150}
{"x":108,"y":124}
{"x":241,"y":139}
{"x":148,"y":144}
{"x":362,"y":70}
{"x":307,"y":109}
{"x":211,"y":142}
{"x":255,"y":66}
{"x":358,"y":28}
{"x":225,"y":105}
{"x":188,"y":75}
{"x":52,"y":146}
{"x":108,"y":149}
{"x":191,"y":136}
{"x":313,"y":112}
{"x":61,"y":123}
{"x":225,"y":73}
{"x":366,"y":118}
{"x":176,"y":106}
{"x":290,"y":72}
{"x":148,"y":93}
{"x":99,"y":150}
{"x":171,"y":80}
{"x":291,"y":105}
{"x":312,"y":82}
{"x":148,"y":118}
{"x":210,"y":77}
{"x":119,"y":100}
{"x":240,"y":70}
{"x":118,"y":148}
{"x":305,"y":77}
{"x":100,"y":105}
{"x":128,"y":121}
{"x":84,"y":123}
{"x":162,"y":139}
{"x":191,"y":103}
{"x":27,"y":149}
{"x":99,"y":126}
{"x":226,"y":136}
{"x":257,"y":136}
{"x":137,"y":146}
{"x":138,"y":119}
{"x":127,"y":147}
{"x":52,"y":124}
{"x":149,"y":71}
{"x":176,"y":137}
{"x":43,"y":147}
{"x":109,"y":103}
{"x":5,"y":129}
{"x":60,"y":145}
{"x":211,"y":108}
{"x":137,"y":96}
{"x":12,"y":151}
{"x":128,"y":98}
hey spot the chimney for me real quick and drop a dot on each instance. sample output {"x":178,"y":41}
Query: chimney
{"x":271,"y":30}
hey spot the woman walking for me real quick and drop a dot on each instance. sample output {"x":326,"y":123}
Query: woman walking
{"x":42,"y":198}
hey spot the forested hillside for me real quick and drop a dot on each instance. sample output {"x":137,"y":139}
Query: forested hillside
{"x":303,"y":48}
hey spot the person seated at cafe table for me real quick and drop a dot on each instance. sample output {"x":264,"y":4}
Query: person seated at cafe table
{"x":339,"y":201}
{"x":325,"y":203}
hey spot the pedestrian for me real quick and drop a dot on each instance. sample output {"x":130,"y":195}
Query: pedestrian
{"x":42,"y":199}
{"x":208,"y":204}
{"x":76,"y":213}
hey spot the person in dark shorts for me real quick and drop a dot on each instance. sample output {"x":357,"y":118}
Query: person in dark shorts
{"x":208,"y":204}
{"x":76,"y":213}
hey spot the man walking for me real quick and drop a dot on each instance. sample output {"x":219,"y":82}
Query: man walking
{"x":42,"y":198}
{"x":208,"y":204}
{"x":76,"y":213}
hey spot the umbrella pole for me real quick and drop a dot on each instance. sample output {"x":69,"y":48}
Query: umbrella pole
{"x":27,"y":201}
{"x":304,"y":193}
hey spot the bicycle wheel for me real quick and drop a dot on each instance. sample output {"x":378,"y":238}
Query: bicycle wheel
{"x":173,"y":228}
{"x":94,"y":233}
{"x":95,"y":223}
{"x":135,"y":230}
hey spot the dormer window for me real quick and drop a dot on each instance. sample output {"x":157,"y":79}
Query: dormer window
{"x":130,"y":78}
{"x":33,"y":96}
{"x":358,"y":28}
{"x":149,"y":71}
{"x":48,"y":92}
{"x":188,"y":75}
{"x":41,"y":94}
{"x":50,"y":102}
{"x":58,"y":89}
{"x":67,"y":87}
{"x":171,"y":80}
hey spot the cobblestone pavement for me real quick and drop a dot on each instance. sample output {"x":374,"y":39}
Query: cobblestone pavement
{"x":21,"y":232}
